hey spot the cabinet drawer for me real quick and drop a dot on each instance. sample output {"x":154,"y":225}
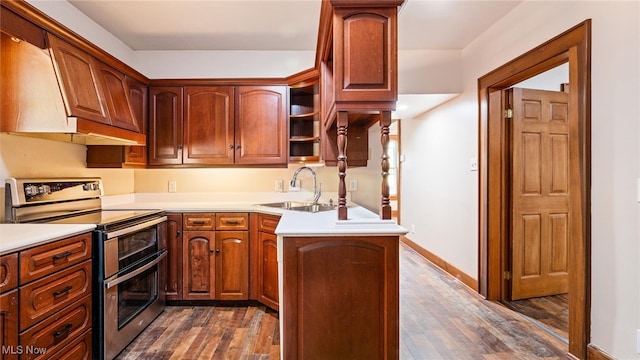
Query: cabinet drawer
{"x":47,"y":259}
{"x":48,"y":295}
{"x":79,"y":349}
{"x":8,"y":272}
{"x":268,"y":223}
{"x":57,"y":331}
{"x":232,"y":221}
{"x":199,"y":221}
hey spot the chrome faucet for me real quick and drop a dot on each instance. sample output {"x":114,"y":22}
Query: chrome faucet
{"x":316,"y":189}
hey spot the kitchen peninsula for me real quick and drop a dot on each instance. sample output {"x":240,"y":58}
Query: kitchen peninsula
{"x":338,"y":279}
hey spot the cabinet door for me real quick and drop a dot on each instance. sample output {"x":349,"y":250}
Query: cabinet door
{"x":261,"y":135}
{"x":116,"y":95}
{"x":232,"y":265}
{"x":325,"y":279}
{"x":173,"y":289}
{"x":208,"y":125}
{"x":78,"y":76}
{"x":138,"y":94}
{"x":268,"y":270}
{"x":198,"y":265}
{"x":165,"y":126}
{"x":365,"y":53}
{"x":9,"y":325}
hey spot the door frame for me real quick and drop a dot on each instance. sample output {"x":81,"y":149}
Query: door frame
{"x":572,"y":46}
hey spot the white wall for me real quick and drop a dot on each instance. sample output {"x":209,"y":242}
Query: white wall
{"x":440,"y":193}
{"x":185,"y":64}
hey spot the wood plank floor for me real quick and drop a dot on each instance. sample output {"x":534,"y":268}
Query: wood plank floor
{"x":551,"y":312}
{"x":440,"y":318}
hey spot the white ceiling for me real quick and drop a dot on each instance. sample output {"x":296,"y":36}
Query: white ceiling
{"x":280,"y":24}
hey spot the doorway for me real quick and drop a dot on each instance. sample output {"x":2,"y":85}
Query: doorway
{"x":540,"y":193}
{"x":496,"y":222}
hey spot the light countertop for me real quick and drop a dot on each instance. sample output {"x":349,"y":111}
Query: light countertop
{"x":14,"y":237}
{"x":292,"y":223}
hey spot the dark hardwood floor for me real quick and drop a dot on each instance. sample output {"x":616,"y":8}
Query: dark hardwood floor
{"x":551,"y":312}
{"x":440,"y":318}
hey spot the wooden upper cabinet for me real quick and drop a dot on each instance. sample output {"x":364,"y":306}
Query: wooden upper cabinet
{"x":261,"y":135}
{"x":165,"y":125}
{"x":198,"y":126}
{"x":80,"y":83}
{"x":138,"y":93}
{"x":117,"y":98}
{"x":365,"y":54}
{"x":208,"y":125}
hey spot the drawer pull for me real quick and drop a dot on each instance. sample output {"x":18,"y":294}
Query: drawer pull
{"x":66,"y":289}
{"x":198,"y":222}
{"x":63,"y":332}
{"x":61,"y":255}
{"x":232,"y":222}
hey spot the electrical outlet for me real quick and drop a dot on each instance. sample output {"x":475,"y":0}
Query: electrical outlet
{"x":413,"y":229}
{"x":473,"y":164}
{"x":353,"y":185}
{"x":173,"y":187}
{"x":279,"y":185}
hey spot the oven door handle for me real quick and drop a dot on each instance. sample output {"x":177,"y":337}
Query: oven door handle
{"x":111,"y":235}
{"x":123,"y":278}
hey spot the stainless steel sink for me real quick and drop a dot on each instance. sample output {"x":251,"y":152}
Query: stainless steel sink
{"x":300,"y":206}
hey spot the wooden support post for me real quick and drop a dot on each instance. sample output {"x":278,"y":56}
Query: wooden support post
{"x":342,"y":123}
{"x":385,"y":205}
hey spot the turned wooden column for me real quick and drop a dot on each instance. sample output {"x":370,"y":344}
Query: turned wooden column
{"x":385,"y":205}
{"x":342,"y":123}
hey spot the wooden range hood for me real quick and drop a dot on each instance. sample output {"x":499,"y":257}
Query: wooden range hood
{"x":32,"y":99}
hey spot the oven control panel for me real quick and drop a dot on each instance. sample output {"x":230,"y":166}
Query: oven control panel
{"x":32,"y":191}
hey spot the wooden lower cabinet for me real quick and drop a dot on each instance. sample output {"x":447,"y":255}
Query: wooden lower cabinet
{"x":232,"y":265}
{"x":341,"y":298}
{"x":198,"y":267}
{"x":46,"y":312}
{"x":267,"y":261}
{"x":173,"y":276}
{"x":9,"y":325}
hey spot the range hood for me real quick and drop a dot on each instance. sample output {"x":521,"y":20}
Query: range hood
{"x":31,"y":101}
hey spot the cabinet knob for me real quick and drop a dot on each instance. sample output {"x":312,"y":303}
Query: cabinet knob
{"x":217,"y":251}
{"x":231,"y":146}
{"x":238,"y":147}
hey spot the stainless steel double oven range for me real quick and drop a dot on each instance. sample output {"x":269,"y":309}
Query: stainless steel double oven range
{"x":129,"y":247}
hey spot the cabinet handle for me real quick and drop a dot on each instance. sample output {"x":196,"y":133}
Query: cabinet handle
{"x":238,"y":147}
{"x":231,"y":146}
{"x":231,"y":222}
{"x":63,"y":332}
{"x":66,"y":289}
{"x":198,"y":222}
{"x":61,"y":255}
